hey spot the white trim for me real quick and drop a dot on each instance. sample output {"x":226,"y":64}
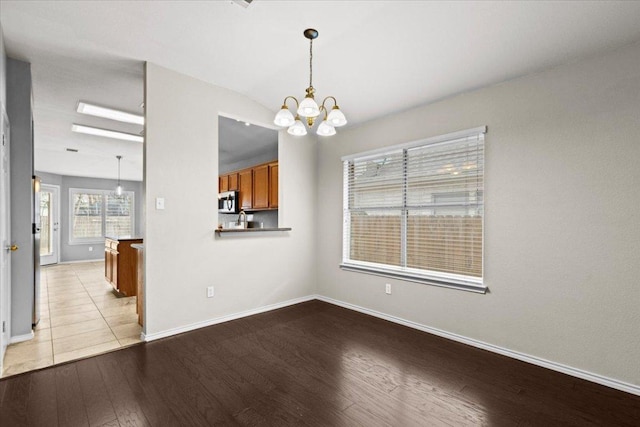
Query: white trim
{"x":451,"y":281}
{"x":473,"y":132}
{"x":21,"y":338}
{"x":575,"y":372}
{"x":222,"y":319}
{"x":81,"y":260}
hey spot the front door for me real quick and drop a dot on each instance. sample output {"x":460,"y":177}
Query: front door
{"x":5,"y":236}
{"x":49,"y":224}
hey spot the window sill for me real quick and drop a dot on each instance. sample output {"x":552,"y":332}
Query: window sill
{"x":441,"y":282}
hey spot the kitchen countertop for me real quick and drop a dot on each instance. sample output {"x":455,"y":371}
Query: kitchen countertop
{"x":250,"y":230}
{"x":121,"y":239}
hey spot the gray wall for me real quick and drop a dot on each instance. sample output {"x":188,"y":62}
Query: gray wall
{"x":22,"y":262}
{"x":3,"y":71}
{"x":562,"y":233}
{"x":81,"y":252}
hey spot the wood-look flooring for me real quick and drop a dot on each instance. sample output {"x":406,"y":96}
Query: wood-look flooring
{"x":310,"y":364}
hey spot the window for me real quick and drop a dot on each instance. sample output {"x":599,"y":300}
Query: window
{"x":95,"y":214}
{"x":415,"y":211}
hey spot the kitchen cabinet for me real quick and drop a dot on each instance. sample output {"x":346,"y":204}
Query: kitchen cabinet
{"x":261,"y":187}
{"x":257,"y":186}
{"x":233,"y":182}
{"x":245,"y":186}
{"x":223,"y":183}
{"x":273,"y":185}
{"x":228,"y":182}
{"x":120,"y":264}
{"x":139,"y":281}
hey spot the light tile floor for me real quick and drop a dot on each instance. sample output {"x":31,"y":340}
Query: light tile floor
{"x":80,"y":316}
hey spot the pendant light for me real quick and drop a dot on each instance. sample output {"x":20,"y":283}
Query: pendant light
{"x":308,"y":108}
{"x":119,"y":187}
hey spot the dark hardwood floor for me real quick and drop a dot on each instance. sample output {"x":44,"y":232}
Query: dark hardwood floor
{"x":310,"y":364}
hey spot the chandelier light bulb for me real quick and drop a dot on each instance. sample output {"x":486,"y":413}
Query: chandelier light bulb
{"x":325,"y":129}
{"x":284,"y":117}
{"x":297,"y":129}
{"x":308,"y":107}
{"x":336,"y":117}
{"x":119,"y":190}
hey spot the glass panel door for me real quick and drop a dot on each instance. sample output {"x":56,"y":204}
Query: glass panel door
{"x":49,"y":224}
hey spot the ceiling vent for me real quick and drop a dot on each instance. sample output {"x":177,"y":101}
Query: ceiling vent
{"x":72,"y":150}
{"x":243,"y":3}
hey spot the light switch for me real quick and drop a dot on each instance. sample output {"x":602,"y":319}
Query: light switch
{"x":159,"y":203}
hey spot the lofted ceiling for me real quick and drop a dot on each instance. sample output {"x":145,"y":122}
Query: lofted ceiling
{"x":238,"y":141}
{"x":376,"y":57}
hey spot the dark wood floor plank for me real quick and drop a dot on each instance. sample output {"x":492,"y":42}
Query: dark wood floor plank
{"x":310,"y":364}
{"x":3,"y":388}
{"x":70,"y":399}
{"x":192,"y":403}
{"x":96,"y":398}
{"x":13,"y":411}
{"x":125,"y":403}
{"x":42,"y":406}
{"x":149,"y":394}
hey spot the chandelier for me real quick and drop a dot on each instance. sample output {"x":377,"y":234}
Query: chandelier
{"x":308,"y":107}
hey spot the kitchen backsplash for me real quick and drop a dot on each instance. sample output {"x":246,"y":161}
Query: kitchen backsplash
{"x":269,"y":218}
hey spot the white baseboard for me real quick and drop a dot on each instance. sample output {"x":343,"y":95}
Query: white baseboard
{"x":575,"y":372}
{"x":21,"y":338}
{"x":81,"y":261}
{"x":222,"y":319}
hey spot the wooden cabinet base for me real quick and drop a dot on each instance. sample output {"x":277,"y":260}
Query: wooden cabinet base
{"x":121,"y":265}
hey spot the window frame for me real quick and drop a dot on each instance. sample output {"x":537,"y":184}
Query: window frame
{"x":104,"y":194}
{"x":430,"y":277}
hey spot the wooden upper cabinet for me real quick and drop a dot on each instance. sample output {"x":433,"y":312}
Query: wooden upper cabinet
{"x":245,"y":185}
{"x":273,"y":185}
{"x":233,"y":182}
{"x":223,"y":184}
{"x":258,"y":186}
{"x":261,"y":187}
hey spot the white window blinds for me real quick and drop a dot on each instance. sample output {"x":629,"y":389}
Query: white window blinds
{"x":415,"y":211}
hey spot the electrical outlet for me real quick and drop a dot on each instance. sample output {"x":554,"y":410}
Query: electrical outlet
{"x":387,"y":289}
{"x":90,"y":248}
{"x":210,"y":292}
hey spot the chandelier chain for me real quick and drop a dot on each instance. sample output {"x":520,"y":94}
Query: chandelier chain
{"x":311,"y":63}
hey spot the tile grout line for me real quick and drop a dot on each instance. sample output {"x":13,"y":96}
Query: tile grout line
{"x":102,"y":314}
{"x":76,"y":275}
{"x":103,"y":318}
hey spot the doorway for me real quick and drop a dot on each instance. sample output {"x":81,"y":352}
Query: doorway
{"x":5,"y":236}
{"x":49,"y":224}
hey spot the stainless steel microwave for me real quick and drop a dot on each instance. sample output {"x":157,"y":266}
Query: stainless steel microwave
{"x":229,"y":202}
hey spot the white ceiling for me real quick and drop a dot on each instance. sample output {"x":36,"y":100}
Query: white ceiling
{"x":238,"y":142}
{"x":376,"y":57}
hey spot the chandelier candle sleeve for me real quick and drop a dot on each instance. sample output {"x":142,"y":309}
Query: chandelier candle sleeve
{"x":308,"y":108}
